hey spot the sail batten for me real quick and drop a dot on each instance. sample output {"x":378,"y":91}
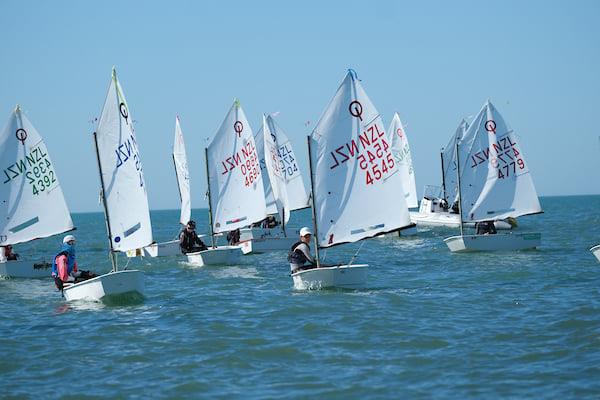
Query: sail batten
{"x":122,"y":174}
{"x":356,"y":184}
{"x":32,"y":204}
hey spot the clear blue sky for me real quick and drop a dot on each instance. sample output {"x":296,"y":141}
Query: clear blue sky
{"x":433,"y":62}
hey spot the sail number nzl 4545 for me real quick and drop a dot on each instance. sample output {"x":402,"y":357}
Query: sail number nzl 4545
{"x":372,"y":152}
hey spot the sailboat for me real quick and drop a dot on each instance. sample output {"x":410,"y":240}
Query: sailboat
{"x":493,"y":183}
{"x":32,"y":202}
{"x":235,"y":192}
{"x":123,"y":193}
{"x":402,"y":156}
{"x":436,"y":205}
{"x":357,"y":191}
{"x":439,"y":205}
{"x":171,"y":248}
{"x":283,"y":187}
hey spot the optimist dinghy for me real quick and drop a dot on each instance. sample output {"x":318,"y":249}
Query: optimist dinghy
{"x":33,"y":205}
{"x":357,"y":192}
{"x":171,"y":248}
{"x":123,"y":193}
{"x":235,"y":191}
{"x":283,"y":187}
{"x":493,"y":183}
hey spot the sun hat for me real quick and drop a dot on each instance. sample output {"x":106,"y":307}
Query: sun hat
{"x":305,"y":231}
{"x":68,"y":238}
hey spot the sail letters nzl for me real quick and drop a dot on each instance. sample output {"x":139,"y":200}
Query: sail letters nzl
{"x":127,"y":151}
{"x":249,"y":153}
{"x":510,"y":164}
{"x":35,"y":156}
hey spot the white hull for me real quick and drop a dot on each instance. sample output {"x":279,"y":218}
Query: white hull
{"x":25,"y":269}
{"x":113,"y":283}
{"x":441,"y":218}
{"x":497,"y":242}
{"x":267,"y":244}
{"x":263,"y":233}
{"x":164,"y":249}
{"x":596,"y":251}
{"x":222,"y":255}
{"x":431,"y":213}
{"x":341,"y":276}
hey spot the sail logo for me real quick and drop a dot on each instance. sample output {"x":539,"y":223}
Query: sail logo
{"x":129,"y":151}
{"x":490,"y":126}
{"x":238,"y":127}
{"x":356,"y":109}
{"x":21,"y":135}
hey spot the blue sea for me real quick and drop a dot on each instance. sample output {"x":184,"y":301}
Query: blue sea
{"x":430,"y":324}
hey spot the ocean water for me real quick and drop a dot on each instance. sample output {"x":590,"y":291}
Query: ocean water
{"x":431,"y":324}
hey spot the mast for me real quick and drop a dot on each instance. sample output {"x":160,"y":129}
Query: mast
{"x":106,"y":218}
{"x":443,"y":176}
{"x":459,"y":194}
{"x":283,"y":221}
{"x":312,"y":197}
{"x":210,"y":222}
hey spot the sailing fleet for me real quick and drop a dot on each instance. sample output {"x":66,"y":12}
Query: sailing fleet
{"x":362,"y":185}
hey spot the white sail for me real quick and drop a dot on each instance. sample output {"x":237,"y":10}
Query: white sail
{"x":450,"y":181}
{"x":495,"y":179}
{"x":260,"y":150}
{"x":286,"y":161}
{"x":182,"y":173}
{"x":357,"y":188}
{"x":32,"y":202}
{"x":401,"y":152}
{"x":273,"y":168}
{"x":235,"y":180}
{"x":121,"y":171}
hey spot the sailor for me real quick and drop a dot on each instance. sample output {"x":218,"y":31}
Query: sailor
{"x":233,"y":237}
{"x":300,"y":253}
{"x":64,"y":265}
{"x":485,"y":228}
{"x":189,"y":242}
{"x":8,"y":253}
{"x":269,"y":222}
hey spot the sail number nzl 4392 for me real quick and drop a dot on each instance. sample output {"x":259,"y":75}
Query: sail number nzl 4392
{"x":372,"y":152}
{"x":36,"y":168}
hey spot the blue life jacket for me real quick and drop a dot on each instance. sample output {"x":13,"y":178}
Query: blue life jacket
{"x":68,"y":251}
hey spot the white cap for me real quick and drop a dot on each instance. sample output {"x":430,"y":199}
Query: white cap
{"x":68,"y":238}
{"x":305,"y":231}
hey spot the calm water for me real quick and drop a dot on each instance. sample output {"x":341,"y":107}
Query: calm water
{"x":430,"y":324}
